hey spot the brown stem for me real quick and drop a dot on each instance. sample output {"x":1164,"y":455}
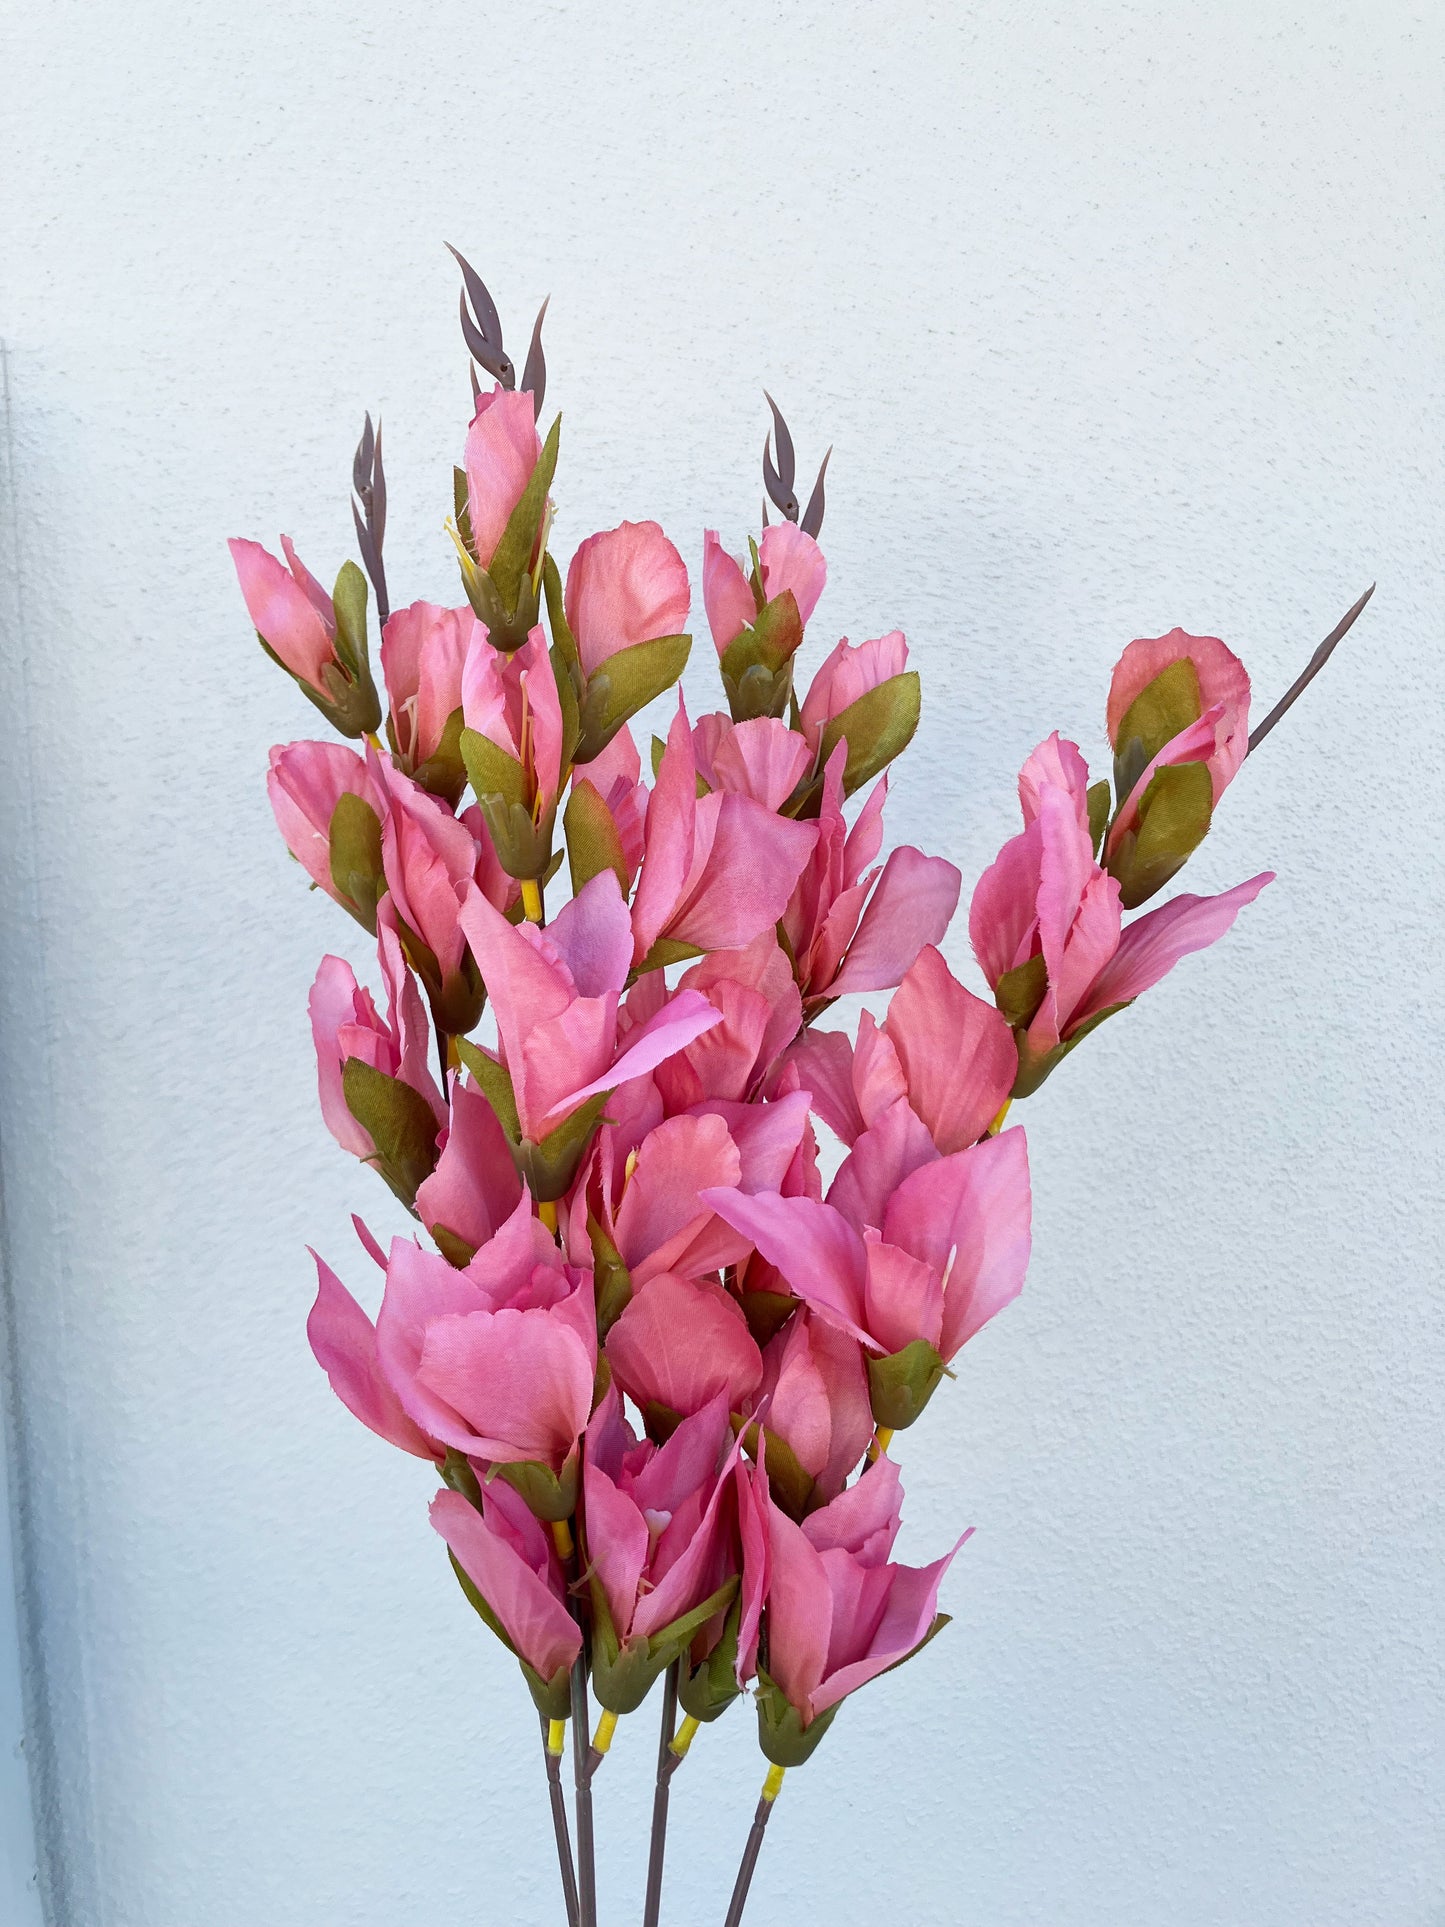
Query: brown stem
{"x":666,"y":1760}
{"x":1311,"y":669}
{"x":559,"y":1827}
{"x":749,"y":1861}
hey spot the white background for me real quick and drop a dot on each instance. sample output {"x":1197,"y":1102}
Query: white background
{"x":1120,"y":316}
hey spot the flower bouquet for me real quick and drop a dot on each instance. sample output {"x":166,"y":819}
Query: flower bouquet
{"x":657,"y":1368}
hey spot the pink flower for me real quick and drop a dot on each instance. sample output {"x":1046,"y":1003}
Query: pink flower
{"x":616,"y":777}
{"x":555,"y":993}
{"x":625,"y":586}
{"x":814,"y":1395}
{"x":946,"y":1051}
{"x":512,"y":701}
{"x":292,"y":613}
{"x":502,"y":451}
{"x":1220,"y":685}
{"x":761,"y":758}
{"x":432,"y":859}
{"x":496,"y":1360}
{"x":475,"y":1187}
{"x":851,"y":927}
{"x":345,"y":1024}
{"x":848,"y":673}
{"x":682,"y":1343}
{"x":657,"y":1529}
{"x":509,"y":1557}
{"x":1045,"y":921}
{"x":423,"y":650}
{"x":790,"y":560}
{"x":838,"y":1613}
{"x":305,"y":782}
{"x":909,"y":1245}
{"x":719,"y":869}
{"x":761,"y":1011}
{"x":343,"y":1340}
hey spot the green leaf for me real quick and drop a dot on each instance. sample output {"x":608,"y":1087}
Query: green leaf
{"x":1161,"y":709}
{"x":1098,"y":812}
{"x":355,"y":835}
{"x":625,"y":683}
{"x":781,"y":1733}
{"x":462,"y":508}
{"x":901,"y":1384}
{"x":399,"y":1122}
{"x":877,"y":727}
{"x":562,"y":636}
{"x":513,"y":556}
{"x":491,"y":770}
{"x":549,"y":1167}
{"x":550,"y":1495}
{"x":494,"y":1081}
{"x":1173,"y":820}
{"x":667,"y":950}
{"x":1020,"y":991}
{"x":771,"y":642}
{"x":611,"y":1278}
{"x":349,"y":601}
{"x":593,"y":841}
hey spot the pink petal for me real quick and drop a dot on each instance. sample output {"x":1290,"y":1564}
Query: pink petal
{"x":283,"y":613}
{"x":792,"y":560}
{"x":800,"y":1608}
{"x":1155,"y":942}
{"x":343,"y":1339}
{"x":725,"y":593}
{"x":475,"y":1186}
{"x":617,"y":1544}
{"x":593,"y":935}
{"x":891,"y":1149}
{"x":1057,"y":764}
{"x":680,"y":1343}
{"x":625,"y":586}
{"x":911,"y":906}
{"x":912,"y":1606}
{"x":763,"y":759}
{"x":957,"y":1053}
{"x":502,"y":451}
{"x":536,"y":1621}
{"x":1003,"y":915}
{"x":521,"y":1380}
{"x":814,"y":1247}
{"x":1223,"y":681}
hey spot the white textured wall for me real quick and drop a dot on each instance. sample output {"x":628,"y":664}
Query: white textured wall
{"x":1119,"y":316}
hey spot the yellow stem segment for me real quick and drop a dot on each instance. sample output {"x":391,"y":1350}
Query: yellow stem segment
{"x":547,"y":1212}
{"x":773,"y":1785}
{"x":556,"y":1738}
{"x":606,"y":1727}
{"x":879,"y":1444}
{"x":374,"y":740}
{"x":683,"y":1737}
{"x":997,"y":1125}
{"x":562,"y":1538}
{"x":531,"y":900}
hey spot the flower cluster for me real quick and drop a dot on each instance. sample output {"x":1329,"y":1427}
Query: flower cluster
{"x":657,"y":1363}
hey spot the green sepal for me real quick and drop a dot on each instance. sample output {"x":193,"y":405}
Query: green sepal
{"x":494,"y":1081}
{"x":510,"y":566}
{"x":351,"y":708}
{"x":355,"y":838}
{"x":625,"y":683}
{"x":1173,"y":820}
{"x":788,"y":1483}
{"x":1035,"y":1066}
{"x":612,"y":1279}
{"x":757,"y":665}
{"x":457,"y":1250}
{"x":1019,"y":992}
{"x":659,"y":1421}
{"x":462,"y":509}
{"x":549,"y":1495}
{"x":399,"y":1122}
{"x":459,"y":1473}
{"x":458,"y":1004}
{"x":1099,"y":799}
{"x":707,"y":1690}
{"x":1156,"y":716}
{"x":767,"y":1312}
{"x":877,"y":728}
{"x":348,"y":601}
{"x":524,"y":848}
{"x":492,"y":770}
{"x":666,"y":950}
{"x":563,"y":639}
{"x":444,"y":773}
{"x":901,"y":1383}
{"x":781,"y":1733}
{"x":549,"y":1167}
{"x":594,"y":843}
{"x":552,"y":1698}
{"x":623,"y":1671}
{"x":659,"y":750}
